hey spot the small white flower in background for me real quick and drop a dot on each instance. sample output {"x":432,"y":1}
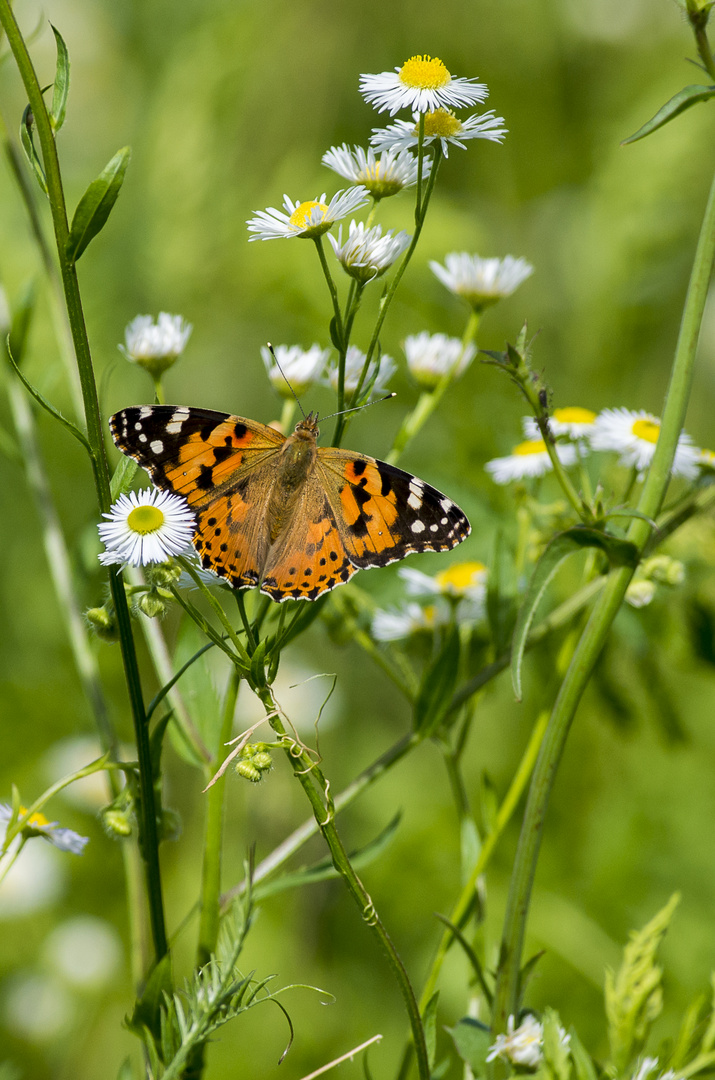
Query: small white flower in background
{"x":301,"y":367}
{"x":396,"y":624}
{"x":432,"y":356}
{"x":465,"y":579}
{"x":422,"y":83}
{"x":573,"y":421}
{"x":529,"y":458}
{"x":307,"y":219}
{"x":383,"y":176}
{"x":367,"y":254}
{"x":633,"y":435}
{"x":442,"y":125}
{"x":706,"y":460}
{"x":354,"y":363}
{"x":647,"y":1066}
{"x":521,"y":1045}
{"x":155,"y":345}
{"x":38,"y":825}
{"x":146,"y":527}
{"x":481,"y":282}
{"x":640,"y":592}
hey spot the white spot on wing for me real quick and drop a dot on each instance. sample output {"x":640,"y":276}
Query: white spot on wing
{"x":174,"y":427}
{"x":414,"y":500}
{"x":137,"y":427}
{"x":146,"y":410}
{"x":179,"y":415}
{"x":446,"y":505}
{"x":156,"y":447}
{"x":417,"y":526}
{"x":434,"y":528}
{"x":142,"y":438}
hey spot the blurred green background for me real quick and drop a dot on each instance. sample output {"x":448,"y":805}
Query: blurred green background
{"x":227,"y":105}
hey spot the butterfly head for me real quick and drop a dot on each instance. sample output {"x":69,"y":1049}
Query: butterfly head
{"x":308,"y":426}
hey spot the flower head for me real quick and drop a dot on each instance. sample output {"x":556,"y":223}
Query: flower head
{"x":397,"y":623}
{"x":367,"y":254}
{"x":379,"y":371}
{"x":572,"y":421}
{"x":155,"y":345}
{"x":521,"y":1045}
{"x":633,"y":435}
{"x":146,"y":527}
{"x":38,"y":825}
{"x":307,"y":219}
{"x":432,"y":356}
{"x":300,"y":367}
{"x":422,"y":83}
{"x":529,"y":458}
{"x":440,"y":124}
{"x":465,"y":581}
{"x":706,"y":460}
{"x":481,"y":282}
{"x":383,"y":176}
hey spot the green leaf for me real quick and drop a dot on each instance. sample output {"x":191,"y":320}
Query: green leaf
{"x":557,"y":1058}
{"x":96,"y":204}
{"x":583,"y":1064}
{"x":429,"y":1022}
{"x":438,"y":682}
{"x":472,"y":1040}
{"x":198,"y":689}
{"x":335,"y":334}
{"x":471,"y":957}
{"x":684,"y":99}
{"x":258,"y":664}
{"x":62,"y":83}
{"x":619,"y":553}
{"x":122,"y":478}
{"x":28,"y":145}
{"x":501,"y":595}
{"x":22,"y":314}
{"x":125,"y":1070}
{"x":148,"y":1006}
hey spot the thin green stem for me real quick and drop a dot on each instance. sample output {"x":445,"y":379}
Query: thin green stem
{"x":699,"y":21}
{"x":598,"y":626}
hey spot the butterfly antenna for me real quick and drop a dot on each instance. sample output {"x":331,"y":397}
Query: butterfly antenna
{"x":273,"y":354}
{"x":358,"y":407}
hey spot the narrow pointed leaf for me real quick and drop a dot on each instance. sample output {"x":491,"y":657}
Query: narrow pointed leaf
{"x":62,"y":83}
{"x":96,"y":204}
{"x":41,"y":400}
{"x":429,"y":1022}
{"x":619,"y":552}
{"x":684,"y":99}
{"x":435,"y":693}
{"x":28,"y":145}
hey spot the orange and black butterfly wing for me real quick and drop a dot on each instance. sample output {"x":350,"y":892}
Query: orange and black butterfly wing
{"x":385,"y":513}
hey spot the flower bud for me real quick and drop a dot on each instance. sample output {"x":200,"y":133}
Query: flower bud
{"x":640,"y":592}
{"x":248,"y":771}
{"x":152,"y":604}
{"x":664,"y":569}
{"x":103,"y":622}
{"x":116,"y":822}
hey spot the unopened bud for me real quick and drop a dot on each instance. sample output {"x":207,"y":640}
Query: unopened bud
{"x":152,"y":605}
{"x":640,"y":593}
{"x":664,"y":569}
{"x":116,"y":822}
{"x":248,"y":771}
{"x":103,"y":622}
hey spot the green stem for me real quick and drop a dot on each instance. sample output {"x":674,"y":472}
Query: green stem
{"x":698,"y":21}
{"x":598,"y":626}
{"x":148,"y":832}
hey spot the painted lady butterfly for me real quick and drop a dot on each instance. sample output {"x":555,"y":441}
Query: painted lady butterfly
{"x":296,"y":518}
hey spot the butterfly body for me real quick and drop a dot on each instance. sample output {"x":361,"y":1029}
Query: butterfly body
{"x":282,"y":512}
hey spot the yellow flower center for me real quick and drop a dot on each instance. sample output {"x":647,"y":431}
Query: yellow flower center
{"x":301,"y":214}
{"x":574,"y":414}
{"x":532,"y":446}
{"x":461,"y":576}
{"x":35,"y":821}
{"x":145,"y":519}
{"x":708,"y":456}
{"x":440,"y":124}
{"x":648,"y":430}
{"x":424,"y":73}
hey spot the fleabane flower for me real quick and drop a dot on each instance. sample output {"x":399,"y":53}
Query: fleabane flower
{"x":634,"y":434}
{"x":146,"y":527}
{"x":306,"y":219}
{"x":530,"y":459}
{"x":380,"y":369}
{"x":383,"y":176}
{"x":572,"y":421}
{"x":481,"y":282}
{"x":422,"y":83}
{"x":38,"y":825}
{"x":398,"y":623}
{"x":440,"y":124}
{"x":521,"y":1045}
{"x":461,"y":579}
{"x":706,"y":460}
{"x":367,"y":254}
{"x":155,"y":345}
{"x":300,"y":367}
{"x":432,"y":356}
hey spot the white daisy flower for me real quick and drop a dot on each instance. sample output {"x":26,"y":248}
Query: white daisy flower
{"x":634,"y":434}
{"x":529,"y":458}
{"x":572,"y":421}
{"x":481,"y":282}
{"x":706,"y":460}
{"x":395,"y":624}
{"x":307,"y":219}
{"x":300,"y":367}
{"x":422,"y":83}
{"x":38,"y":825}
{"x":383,"y":176}
{"x":367,"y":254}
{"x":647,"y":1066}
{"x":465,"y":579}
{"x":523,"y":1045}
{"x":155,"y":345}
{"x":442,"y":125}
{"x":146,"y":527}
{"x":432,"y":356}
{"x":385,"y":367}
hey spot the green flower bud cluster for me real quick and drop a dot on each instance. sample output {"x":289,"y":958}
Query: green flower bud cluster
{"x":254,"y":760}
{"x":103,"y":621}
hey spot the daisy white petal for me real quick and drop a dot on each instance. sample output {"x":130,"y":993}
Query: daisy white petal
{"x":440,"y":124}
{"x":395,"y":624}
{"x":465,"y":579}
{"x":300,"y":367}
{"x":529,"y":458}
{"x":432,"y":356}
{"x":481,"y":282}
{"x":367,"y":254}
{"x":422,"y":83}
{"x":380,"y":370}
{"x":383,"y":176}
{"x":572,"y":421}
{"x":520,"y":1045}
{"x":155,"y":345}
{"x":634,"y":434}
{"x":307,"y":219}
{"x":146,"y":527}
{"x":38,"y":825}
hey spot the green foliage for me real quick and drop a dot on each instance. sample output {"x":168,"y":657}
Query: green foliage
{"x":684,"y":99}
{"x":97,"y":203}
{"x":61,"y":88}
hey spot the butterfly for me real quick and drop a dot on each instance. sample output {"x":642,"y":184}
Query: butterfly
{"x":282,"y":512}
